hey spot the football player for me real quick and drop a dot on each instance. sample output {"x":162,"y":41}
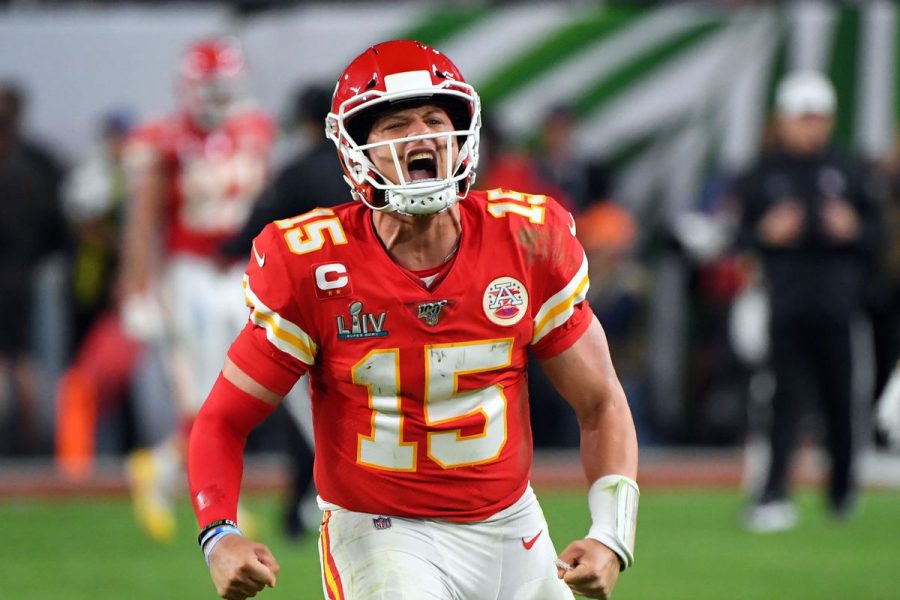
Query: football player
{"x":193,"y":176}
{"x":413,"y":310}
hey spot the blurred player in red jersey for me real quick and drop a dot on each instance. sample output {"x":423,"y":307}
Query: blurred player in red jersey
{"x":194,"y":176}
{"x":413,"y":310}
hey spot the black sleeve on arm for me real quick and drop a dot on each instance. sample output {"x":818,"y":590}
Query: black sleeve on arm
{"x":743,"y":194}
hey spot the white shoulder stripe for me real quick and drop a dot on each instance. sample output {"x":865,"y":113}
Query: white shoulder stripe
{"x":280,"y":332}
{"x":561,"y":305}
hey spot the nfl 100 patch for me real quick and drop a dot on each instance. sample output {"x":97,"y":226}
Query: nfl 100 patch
{"x":430,"y":312}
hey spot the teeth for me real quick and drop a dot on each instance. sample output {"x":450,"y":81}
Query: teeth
{"x":418,"y":155}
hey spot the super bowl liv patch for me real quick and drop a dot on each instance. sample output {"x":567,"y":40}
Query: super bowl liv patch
{"x":360,"y":324}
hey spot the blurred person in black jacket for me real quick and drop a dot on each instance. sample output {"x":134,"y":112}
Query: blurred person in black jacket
{"x":812,"y":215}
{"x":31,"y":226}
{"x":312,"y":178}
{"x":13,"y":104}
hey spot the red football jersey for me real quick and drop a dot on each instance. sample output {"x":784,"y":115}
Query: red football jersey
{"x":212,"y":178}
{"x":419,"y":396}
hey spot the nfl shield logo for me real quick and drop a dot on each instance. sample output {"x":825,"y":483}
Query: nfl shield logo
{"x":382,"y":522}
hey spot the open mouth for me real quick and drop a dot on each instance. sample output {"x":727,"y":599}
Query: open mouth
{"x":421,"y":166}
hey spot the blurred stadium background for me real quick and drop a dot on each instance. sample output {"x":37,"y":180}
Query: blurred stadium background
{"x":670,"y":99}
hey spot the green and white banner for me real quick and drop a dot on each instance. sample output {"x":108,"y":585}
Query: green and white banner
{"x":672,"y":94}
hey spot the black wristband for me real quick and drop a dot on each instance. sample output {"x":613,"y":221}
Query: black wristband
{"x":213,"y":525}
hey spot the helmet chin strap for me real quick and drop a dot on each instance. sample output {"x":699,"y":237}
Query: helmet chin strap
{"x":422,"y":202}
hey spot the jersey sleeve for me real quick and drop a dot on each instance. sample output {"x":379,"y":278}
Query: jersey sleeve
{"x":275,"y":348}
{"x":562,"y":314}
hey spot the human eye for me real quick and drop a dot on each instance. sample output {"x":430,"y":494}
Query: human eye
{"x":391,"y":125}
{"x":437,"y":121}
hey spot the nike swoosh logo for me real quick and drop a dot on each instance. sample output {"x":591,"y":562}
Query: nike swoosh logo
{"x":572,"y":224}
{"x":531,"y":542}
{"x":260,"y":260}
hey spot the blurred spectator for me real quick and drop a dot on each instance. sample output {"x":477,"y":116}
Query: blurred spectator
{"x":812,"y":214}
{"x":94,"y":199}
{"x":609,"y":236}
{"x":193,"y":178}
{"x":581,"y":181}
{"x":30,"y":228}
{"x":312,"y":178}
{"x":14,"y":103}
{"x":503,"y":166}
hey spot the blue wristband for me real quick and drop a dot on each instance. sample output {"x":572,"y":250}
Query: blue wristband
{"x":215,"y":539}
{"x":212,"y":532}
{"x":215,"y":524}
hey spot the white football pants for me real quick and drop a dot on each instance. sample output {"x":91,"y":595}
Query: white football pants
{"x":205,"y":311}
{"x":509,"y":556}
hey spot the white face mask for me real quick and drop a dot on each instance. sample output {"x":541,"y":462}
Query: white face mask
{"x":422,"y":196}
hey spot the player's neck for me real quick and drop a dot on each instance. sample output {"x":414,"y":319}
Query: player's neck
{"x":418,"y":243}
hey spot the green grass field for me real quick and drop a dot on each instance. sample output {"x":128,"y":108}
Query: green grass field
{"x":689,"y":546}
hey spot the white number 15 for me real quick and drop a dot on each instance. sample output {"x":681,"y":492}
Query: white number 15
{"x":379,"y":371}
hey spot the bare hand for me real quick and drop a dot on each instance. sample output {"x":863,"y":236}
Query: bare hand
{"x":782,"y":224}
{"x":840,"y":220}
{"x":241,"y":568}
{"x":595,"y":568}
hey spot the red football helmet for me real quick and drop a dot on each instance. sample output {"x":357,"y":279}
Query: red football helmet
{"x":393,"y":74}
{"x":212,"y":81}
